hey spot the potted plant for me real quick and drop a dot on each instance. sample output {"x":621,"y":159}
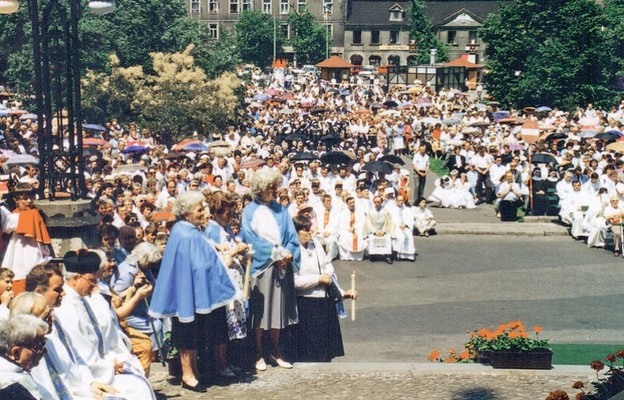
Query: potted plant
{"x":509,"y":346}
{"x":608,"y":385}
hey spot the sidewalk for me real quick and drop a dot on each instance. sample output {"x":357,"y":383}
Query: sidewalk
{"x":390,"y":381}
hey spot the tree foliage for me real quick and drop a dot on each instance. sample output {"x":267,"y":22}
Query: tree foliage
{"x":255,"y":32}
{"x":174,"y":100}
{"x":309,"y":39}
{"x":422,"y":32}
{"x":548,"y":53}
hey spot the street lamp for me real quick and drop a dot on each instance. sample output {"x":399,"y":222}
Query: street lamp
{"x":56,"y":57}
{"x":327,"y":11}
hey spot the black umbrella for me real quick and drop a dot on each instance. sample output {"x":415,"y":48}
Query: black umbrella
{"x":331,"y":140}
{"x":333,"y":91}
{"x":391,"y":103}
{"x":392,"y":159}
{"x":608,"y":136}
{"x":173,"y":154}
{"x":378,"y":166}
{"x":377,"y":106}
{"x":318,"y":110}
{"x":335,"y":157}
{"x":295,"y":137}
{"x":304,"y":156}
{"x":544,"y":158}
{"x":556,"y":135}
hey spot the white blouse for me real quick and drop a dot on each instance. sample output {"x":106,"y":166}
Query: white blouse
{"x":314,"y":262}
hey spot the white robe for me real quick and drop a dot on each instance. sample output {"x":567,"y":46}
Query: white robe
{"x":423,"y":219}
{"x":350,"y":247}
{"x":76,"y":323}
{"x":403,"y":243}
{"x":11,"y":373}
{"x":327,"y":235}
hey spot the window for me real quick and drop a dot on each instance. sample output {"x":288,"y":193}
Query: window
{"x":301,"y":5}
{"x":472,"y":36}
{"x":234,"y":7}
{"x":374,"y":37}
{"x":283,"y":6}
{"x":285,"y":31}
{"x":330,"y":31}
{"x":266,"y":6}
{"x":246,"y":5}
{"x":195,"y":7}
{"x":374,"y":60}
{"x":394,"y":37}
{"x":213,"y":6}
{"x":213,"y":31}
{"x":394,"y":60}
{"x":396,"y":15}
{"x":357,"y":37}
{"x":328,"y":6}
{"x":451,"y":37}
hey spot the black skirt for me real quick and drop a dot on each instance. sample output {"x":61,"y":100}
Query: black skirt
{"x":318,"y":334}
{"x":205,"y":330}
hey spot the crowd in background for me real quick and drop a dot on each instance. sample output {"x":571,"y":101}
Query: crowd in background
{"x":319,"y":171}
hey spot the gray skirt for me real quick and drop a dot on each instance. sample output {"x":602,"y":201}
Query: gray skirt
{"x":273,"y":301}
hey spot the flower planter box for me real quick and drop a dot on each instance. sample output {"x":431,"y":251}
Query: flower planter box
{"x":531,"y":359}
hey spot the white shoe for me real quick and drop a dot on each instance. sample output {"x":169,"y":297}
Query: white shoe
{"x":261,"y":365}
{"x":282,"y":364}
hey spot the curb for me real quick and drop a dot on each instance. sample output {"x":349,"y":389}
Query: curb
{"x":502,"y":229}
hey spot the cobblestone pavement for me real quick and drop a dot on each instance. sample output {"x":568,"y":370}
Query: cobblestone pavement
{"x":389,"y":381}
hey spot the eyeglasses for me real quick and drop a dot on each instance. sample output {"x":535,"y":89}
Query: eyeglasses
{"x":92,"y":281}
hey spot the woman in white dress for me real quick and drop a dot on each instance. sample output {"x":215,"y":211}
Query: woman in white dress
{"x":442,"y":186}
{"x":424,"y":221}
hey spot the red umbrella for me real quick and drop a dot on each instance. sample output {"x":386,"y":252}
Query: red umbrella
{"x":94,"y":142}
{"x":160,"y":216}
{"x":180,"y":146}
{"x":252,"y":163}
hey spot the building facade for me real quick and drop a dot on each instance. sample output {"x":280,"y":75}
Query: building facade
{"x":364,"y":32}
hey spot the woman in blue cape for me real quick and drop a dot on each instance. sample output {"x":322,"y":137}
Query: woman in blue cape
{"x":192,"y":282}
{"x":268,"y":228}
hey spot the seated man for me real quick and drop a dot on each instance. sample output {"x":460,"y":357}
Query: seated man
{"x":351,"y":239}
{"x":574,"y":207}
{"x":403,"y":244}
{"x":614,"y":215}
{"x":379,"y":230}
{"x":88,"y":340}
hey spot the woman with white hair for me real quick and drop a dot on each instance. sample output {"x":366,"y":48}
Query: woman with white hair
{"x":192,"y":283}
{"x":266,"y":226}
{"x":22,"y":344}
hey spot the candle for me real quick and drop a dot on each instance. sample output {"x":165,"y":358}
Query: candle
{"x":353,"y":300}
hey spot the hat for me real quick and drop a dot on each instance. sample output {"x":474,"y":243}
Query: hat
{"x":454,"y":172}
{"x":389,"y":191}
{"x":83,"y":262}
{"x":93,"y":158}
{"x":304,"y":207}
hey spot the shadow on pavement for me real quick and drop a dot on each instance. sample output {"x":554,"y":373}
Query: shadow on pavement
{"x":476,"y":393}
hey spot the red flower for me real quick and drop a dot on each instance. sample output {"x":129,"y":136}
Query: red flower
{"x":620,"y":354}
{"x":610,"y":358}
{"x":597,"y":365}
{"x":578,"y":385}
{"x":558,"y":395}
{"x":581,"y":396}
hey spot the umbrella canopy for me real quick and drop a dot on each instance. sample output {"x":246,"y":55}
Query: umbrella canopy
{"x":181,"y":144}
{"x":304,"y":156}
{"x":331,"y":140}
{"x":21,"y":159}
{"x":28,"y":116}
{"x":392,"y":159}
{"x":392,"y":113}
{"x":195,"y":147}
{"x":480,"y":107}
{"x":378,"y":166}
{"x":497,"y":115}
{"x":94,"y":127}
{"x":174,"y":154}
{"x":252,"y":163}
{"x":261,"y":97}
{"x":129,"y":169}
{"x":377,"y":106}
{"x":333,"y":91}
{"x":543,"y":109}
{"x":135,"y":149}
{"x":480,"y":124}
{"x":543,"y":158}
{"x":390,"y":103}
{"x":422,"y":102}
{"x":617,"y":147}
{"x":528,"y":110}
{"x":91,"y":141}
{"x":587,"y":134}
{"x":219,"y":143}
{"x":335,"y":157}
{"x":295,"y":137}
{"x":608,"y":136}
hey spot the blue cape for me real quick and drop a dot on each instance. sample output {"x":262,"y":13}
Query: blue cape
{"x":192,"y":277}
{"x":263,"y":248}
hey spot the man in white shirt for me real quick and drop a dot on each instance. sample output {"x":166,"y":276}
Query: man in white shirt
{"x":482,"y":163}
{"x":509,"y":194}
{"x":420,"y":162}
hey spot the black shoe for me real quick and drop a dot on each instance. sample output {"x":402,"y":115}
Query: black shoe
{"x":389,"y":260}
{"x":198,"y":388}
{"x":173,"y":380}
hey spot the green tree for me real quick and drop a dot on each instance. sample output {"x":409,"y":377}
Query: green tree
{"x":548,"y":53}
{"x":614,"y":30}
{"x":309,"y":38}
{"x":255,"y":33}
{"x":174,"y":99}
{"x":422,"y":33}
{"x":218,"y":56}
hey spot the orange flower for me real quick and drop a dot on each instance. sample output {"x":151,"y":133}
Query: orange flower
{"x":514,"y":335}
{"x":464,"y":355}
{"x":484,"y":333}
{"x":434,"y":355}
{"x":516,"y":325}
{"x":524,"y":335}
{"x":537,"y":329}
{"x":452,"y":351}
{"x":450,"y":360}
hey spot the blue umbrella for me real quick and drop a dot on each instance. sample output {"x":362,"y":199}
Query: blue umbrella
{"x":261,"y":97}
{"x":135,"y":149}
{"x":614,"y":132}
{"x":195,"y":147}
{"x":94,"y":127}
{"x":500,"y":115}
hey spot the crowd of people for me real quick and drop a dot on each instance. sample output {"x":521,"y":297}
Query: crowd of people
{"x":219,"y":250}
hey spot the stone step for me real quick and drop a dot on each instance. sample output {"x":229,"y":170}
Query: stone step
{"x":503,"y":228}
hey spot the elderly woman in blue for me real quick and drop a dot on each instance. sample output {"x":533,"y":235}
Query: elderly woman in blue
{"x":268,"y":228}
{"x":192,"y":284}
